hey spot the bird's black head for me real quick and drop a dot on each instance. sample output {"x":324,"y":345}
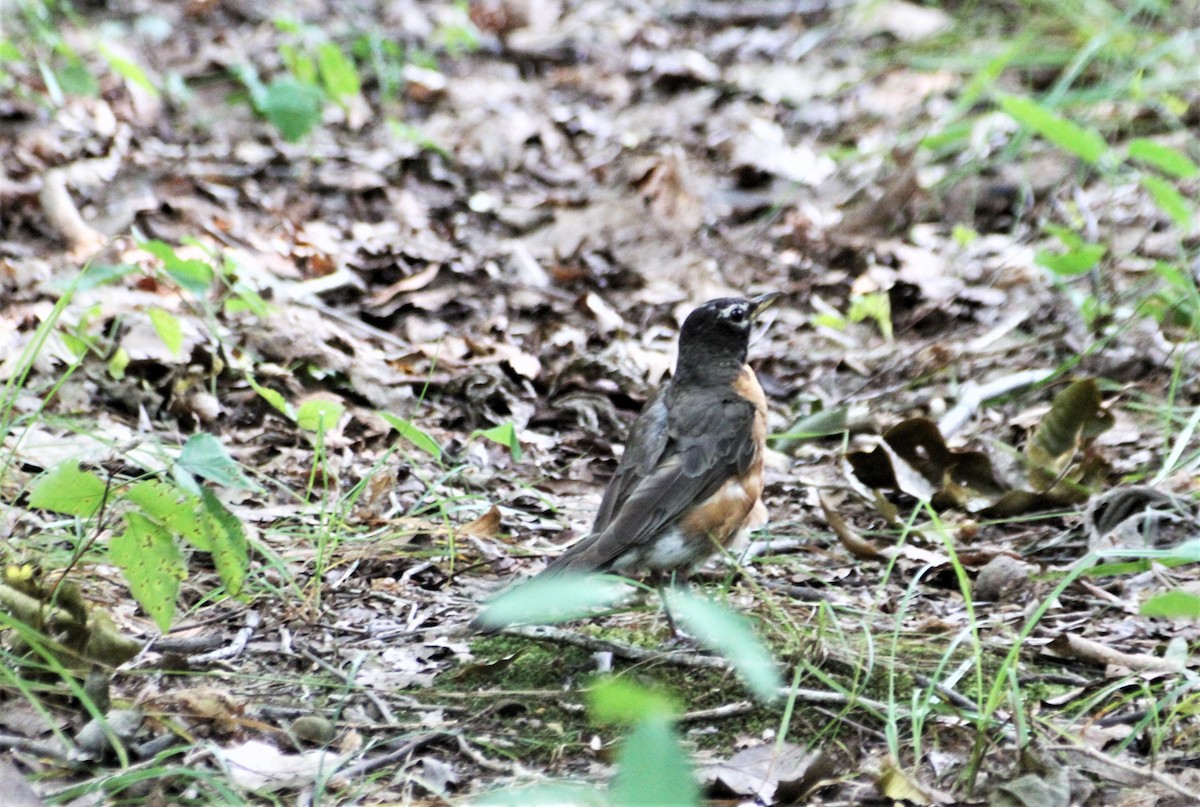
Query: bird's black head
{"x":717,"y":334}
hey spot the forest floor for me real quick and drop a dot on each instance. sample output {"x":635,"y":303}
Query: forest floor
{"x":416,"y":266}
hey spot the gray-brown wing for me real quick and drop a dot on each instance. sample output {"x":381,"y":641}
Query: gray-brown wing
{"x":643,"y":449}
{"x":707,"y":442}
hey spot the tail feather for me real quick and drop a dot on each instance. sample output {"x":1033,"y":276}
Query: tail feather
{"x":581,"y":557}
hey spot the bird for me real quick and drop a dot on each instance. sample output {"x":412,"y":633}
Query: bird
{"x":691,"y":478}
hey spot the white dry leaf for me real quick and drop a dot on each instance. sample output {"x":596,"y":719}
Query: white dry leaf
{"x":763,"y":146}
{"x":261,"y":767}
{"x":906,"y":21}
{"x":606,"y":316}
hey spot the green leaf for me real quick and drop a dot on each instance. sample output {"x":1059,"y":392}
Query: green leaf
{"x":876,"y":306}
{"x":204,"y":456}
{"x":292,"y":106}
{"x":194,"y":275}
{"x":1076,"y":261}
{"x":227,"y":537}
{"x":1164,"y":158}
{"x":1086,"y":144}
{"x":506,"y":435}
{"x":129,"y":71}
{"x":819,"y":424}
{"x":273,"y":398}
{"x":76,"y":79}
{"x":623,"y":701}
{"x":338,"y":74}
{"x":174,"y":508}
{"x":118,"y":363}
{"x":1174,"y":604}
{"x":152,"y":564}
{"x":67,"y":489}
{"x":319,"y":414}
{"x":653,"y":768}
{"x":557,"y":598}
{"x":1170,"y":200}
{"x":169,"y":329}
{"x":731,"y":635}
{"x":99,"y":274}
{"x":413,"y":434}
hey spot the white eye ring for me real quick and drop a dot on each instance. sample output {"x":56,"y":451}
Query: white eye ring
{"x":736,"y":312}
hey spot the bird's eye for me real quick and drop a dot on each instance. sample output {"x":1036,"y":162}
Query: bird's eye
{"x":737,"y":313}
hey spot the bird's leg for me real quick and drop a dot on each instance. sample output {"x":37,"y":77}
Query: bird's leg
{"x":663,"y":581}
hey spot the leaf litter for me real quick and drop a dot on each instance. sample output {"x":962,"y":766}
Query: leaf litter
{"x":484,"y":272}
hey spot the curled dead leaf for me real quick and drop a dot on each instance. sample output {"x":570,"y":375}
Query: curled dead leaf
{"x":486,"y":526}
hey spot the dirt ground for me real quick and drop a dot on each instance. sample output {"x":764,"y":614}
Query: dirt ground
{"x":474,"y":265}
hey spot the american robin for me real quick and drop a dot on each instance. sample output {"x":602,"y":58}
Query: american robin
{"x":691,"y":477}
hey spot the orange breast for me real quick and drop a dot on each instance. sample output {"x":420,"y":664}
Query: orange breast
{"x":725,"y":513}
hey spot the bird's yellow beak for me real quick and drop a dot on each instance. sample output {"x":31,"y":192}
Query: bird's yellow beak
{"x":762,"y":302}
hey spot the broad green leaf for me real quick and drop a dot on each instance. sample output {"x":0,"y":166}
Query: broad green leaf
{"x":1086,"y":144}
{"x":623,"y":701}
{"x":1176,"y":603}
{"x":413,"y":434}
{"x":319,"y":414}
{"x":98,"y":274}
{"x":506,"y":435}
{"x":190,"y":273}
{"x":76,"y":79}
{"x":67,"y":489}
{"x":227,"y":537}
{"x":1164,"y":158}
{"x":174,"y":508}
{"x":153,"y":566}
{"x":169,"y":329}
{"x":1075,"y":262}
{"x":556,"y":598}
{"x":338,"y":74}
{"x":653,"y":768}
{"x":731,"y":635}
{"x":204,"y":456}
{"x":1170,"y":200}
{"x":292,"y":106}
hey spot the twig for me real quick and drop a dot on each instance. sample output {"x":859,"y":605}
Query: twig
{"x":415,"y":744}
{"x":955,"y":699}
{"x":629,"y":652}
{"x":1141,"y":774}
{"x":385,"y":711}
{"x":718,"y":713}
{"x":232,"y":649}
{"x":185,"y":644}
{"x":514,"y":768}
{"x":972,"y":396}
{"x":59,"y":756}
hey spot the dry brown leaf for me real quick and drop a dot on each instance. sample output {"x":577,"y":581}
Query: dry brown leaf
{"x":486,"y":526}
